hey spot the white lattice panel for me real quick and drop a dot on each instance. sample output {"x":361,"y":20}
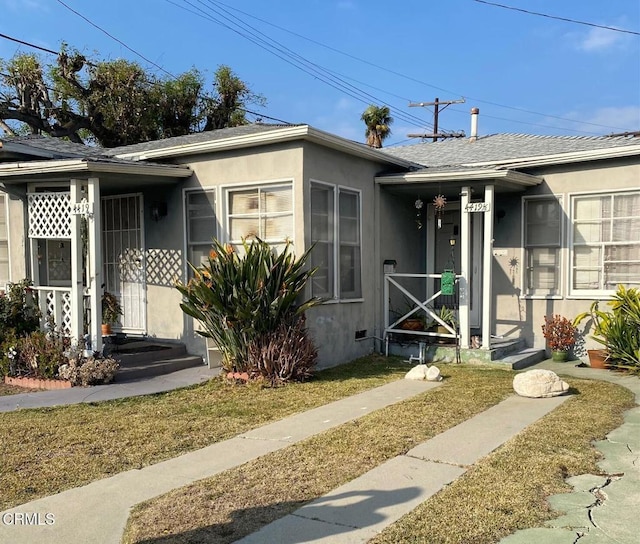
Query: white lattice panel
{"x":64,"y":300}
{"x":50,"y":215}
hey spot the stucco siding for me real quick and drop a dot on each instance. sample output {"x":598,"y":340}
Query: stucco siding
{"x":517,"y":315}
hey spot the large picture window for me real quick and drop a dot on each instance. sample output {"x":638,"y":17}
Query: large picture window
{"x":200,"y":209}
{"x":336,"y":233}
{"x":4,"y":243}
{"x":265,"y":212}
{"x":605,"y":238}
{"x":542,"y":242}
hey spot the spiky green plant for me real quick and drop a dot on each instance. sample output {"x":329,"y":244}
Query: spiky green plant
{"x":238,"y":299}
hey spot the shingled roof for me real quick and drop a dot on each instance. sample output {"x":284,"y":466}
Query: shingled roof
{"x":208,"y":136}
{"x":498,"y":148}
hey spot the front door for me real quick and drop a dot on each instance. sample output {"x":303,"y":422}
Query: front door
{"x":123,"y":258}
{"x":443,"y":253}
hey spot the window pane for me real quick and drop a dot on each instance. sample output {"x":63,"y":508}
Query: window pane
{"x":543,"y":270}
{"x":244,"y":228}
{"x":350,"y":272}
{"x":322,"y":280}
{"x":276,"y":228}
{"x":201,"y":230}
{"x":278,"y":199}
{"x":543,"y":222}
{"x":322,"y":255}
{"x":244,"y":202}
{"x":626,"y":230}
{"x":349,"y":220}
{"x":625,"y":273}
{"x":199,"y":254}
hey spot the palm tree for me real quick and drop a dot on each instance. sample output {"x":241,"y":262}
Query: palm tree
{"x":377,"y":119}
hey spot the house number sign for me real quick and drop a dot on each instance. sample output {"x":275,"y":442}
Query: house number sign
{"x":475,"y":207}
{"x":83,"y":208}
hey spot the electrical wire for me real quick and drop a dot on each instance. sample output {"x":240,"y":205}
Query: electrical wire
{"x":325,"y":75}
{"x":415,"y":80}
{"x":614,"y":29}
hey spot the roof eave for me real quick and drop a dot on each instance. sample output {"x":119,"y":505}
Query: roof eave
{"x":31,"y":168}
{"x":509,"y":176}
{"x":286,"y":134}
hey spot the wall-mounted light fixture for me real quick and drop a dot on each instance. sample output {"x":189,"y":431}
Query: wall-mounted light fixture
{"x":158,"y":210}
{"x":389,"y":266}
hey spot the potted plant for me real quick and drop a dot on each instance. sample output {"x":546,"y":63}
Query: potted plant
{"x":111,"y":311}
{"x":560,"y":334}
{"x":601,"y":321}
{"x":617,"y":330}
{"x":449,"y":317}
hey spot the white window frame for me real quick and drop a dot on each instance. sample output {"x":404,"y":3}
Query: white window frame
{"x":588,"y":293}
{"x":337,"y":189}
{"x":229,"y":189}
{"x":526,"y":293}
{"x":185,"y":212}
{"x":5,"y":208}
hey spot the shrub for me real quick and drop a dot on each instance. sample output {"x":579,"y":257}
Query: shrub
{"x":559,"y":333}
{"x":37,"y":354}
{"x":19,"y":311}
{"x":89,"y":371}
{"x":239,"y":299}
{"x":286,"y":354}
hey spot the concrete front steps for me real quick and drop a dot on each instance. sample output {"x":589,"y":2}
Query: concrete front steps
{"x":144,"y":358}
{"x":511,"y":352}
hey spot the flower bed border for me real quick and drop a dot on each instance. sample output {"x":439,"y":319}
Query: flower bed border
{"x":37,"y":383}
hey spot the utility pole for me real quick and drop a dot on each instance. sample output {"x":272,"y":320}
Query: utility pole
{"x":436,"y":112}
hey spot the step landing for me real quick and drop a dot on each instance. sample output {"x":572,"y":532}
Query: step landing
{"x":144,"y":358}
{"x":510,"y":352}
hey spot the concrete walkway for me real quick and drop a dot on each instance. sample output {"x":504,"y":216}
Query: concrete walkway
{"x":97,"y":513}
{"x":601,"y":509}
{"x":357,"y":511}
{"x":118,"y":390}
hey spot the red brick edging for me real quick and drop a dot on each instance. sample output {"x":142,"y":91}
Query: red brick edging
{"x":37,"y":383}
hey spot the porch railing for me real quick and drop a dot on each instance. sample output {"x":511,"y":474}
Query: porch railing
{"x":56,"y":302}
{"x":391,"y":282}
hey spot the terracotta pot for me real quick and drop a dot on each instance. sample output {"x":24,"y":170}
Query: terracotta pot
{"x":106,"y":329}
{"x":597,"y":358}
{"x":412,"y":325}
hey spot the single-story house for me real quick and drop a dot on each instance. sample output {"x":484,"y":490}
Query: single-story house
{"x":522,"y":225}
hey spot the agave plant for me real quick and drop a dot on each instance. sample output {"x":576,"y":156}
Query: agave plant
{"x":239,"y":299}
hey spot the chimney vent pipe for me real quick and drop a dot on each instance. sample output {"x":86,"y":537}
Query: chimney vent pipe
{"x":474,"y":124}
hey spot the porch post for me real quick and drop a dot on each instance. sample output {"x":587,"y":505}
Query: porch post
{"x":94,"y":227}
{"x":487,"y":265}
{"x":465,"y":266}
{"x":77,"y":295}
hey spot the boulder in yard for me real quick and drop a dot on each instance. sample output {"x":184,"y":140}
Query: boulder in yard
{"x":424,"y":372}
{"x":539,"y":383}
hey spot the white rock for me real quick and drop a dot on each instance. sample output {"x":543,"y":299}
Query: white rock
{"x":418,"y":372}
{"x":539,"y":383}
{"x":433,"y":374}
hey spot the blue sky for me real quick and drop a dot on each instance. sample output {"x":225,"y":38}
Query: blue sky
{"x":571,"y":79}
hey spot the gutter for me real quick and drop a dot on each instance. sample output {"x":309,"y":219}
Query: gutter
{"x":510,"y":176}
{"x":83,"y":165}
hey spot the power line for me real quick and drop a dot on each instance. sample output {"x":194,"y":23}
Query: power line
{"x":415,"y":80}
{"x":614,"y":29}
{"x":325,"y":75}
{"x":28,"y":44}
{"x":115,"y":39}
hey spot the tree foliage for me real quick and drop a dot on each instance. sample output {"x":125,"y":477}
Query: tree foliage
{"x":378,"y":120}
{"x":116,"y":102}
